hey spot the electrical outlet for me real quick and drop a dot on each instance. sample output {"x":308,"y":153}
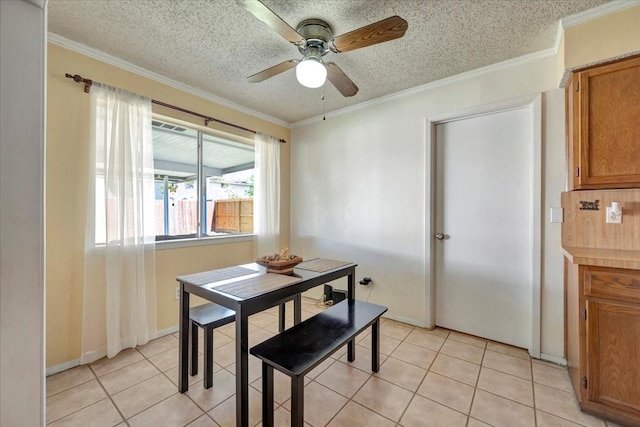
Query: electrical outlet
{"x":177,"y":293}
{"x":613,"y":217}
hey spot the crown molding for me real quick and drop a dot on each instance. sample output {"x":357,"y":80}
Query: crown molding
{"x":597,"y":12}
{"x":42,"y":4}
{"x":559,"y":35}
{"x":532,"y":57}
{"x":127,"y":66}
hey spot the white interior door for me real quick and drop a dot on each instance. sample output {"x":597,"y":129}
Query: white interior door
{"x":484,"y":210}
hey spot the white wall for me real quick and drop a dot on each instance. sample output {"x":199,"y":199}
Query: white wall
{"x":361,"y":182}
{"x":22,"y":89}
{"x":554,"y":183}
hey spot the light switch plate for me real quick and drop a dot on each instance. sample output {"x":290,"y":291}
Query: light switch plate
{"x":557,"y":215}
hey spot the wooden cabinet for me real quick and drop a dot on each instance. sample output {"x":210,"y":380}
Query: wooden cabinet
{"x":603,"y":340}
{"x":603,"y":126}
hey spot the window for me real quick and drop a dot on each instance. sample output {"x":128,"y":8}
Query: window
{"x":226,"y":193}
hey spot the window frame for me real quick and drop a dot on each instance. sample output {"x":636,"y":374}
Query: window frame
{"x":201,"y":237}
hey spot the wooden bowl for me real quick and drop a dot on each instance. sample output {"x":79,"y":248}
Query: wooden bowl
{"x":284,"y":266}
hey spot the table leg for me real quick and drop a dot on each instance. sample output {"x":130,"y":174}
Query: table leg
{"x":375,"y":345}
{"x":351,"y":293}
{"x":281,"y":317}
{"x":242,"y":367}
{"x":297,"y":309}
{"x":183,"y":339}
{"x":351,"y":284}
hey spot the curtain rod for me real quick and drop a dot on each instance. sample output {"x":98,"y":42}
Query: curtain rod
{"x":87,"y":87}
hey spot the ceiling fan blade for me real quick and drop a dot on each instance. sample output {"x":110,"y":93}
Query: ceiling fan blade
{"x":378,"y":32}
{"x":272,"y":71}
{"x":339,"y":79}
{"x":266,"y":15}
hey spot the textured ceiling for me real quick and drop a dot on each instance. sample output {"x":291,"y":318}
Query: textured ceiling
{"x":214,"y":45}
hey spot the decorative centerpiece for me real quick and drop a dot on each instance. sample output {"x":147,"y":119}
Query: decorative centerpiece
{"x":282,"y":263}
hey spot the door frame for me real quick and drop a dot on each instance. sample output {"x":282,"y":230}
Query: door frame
{"x":534,"y":104}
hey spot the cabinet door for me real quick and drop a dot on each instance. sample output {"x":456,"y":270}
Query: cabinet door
{"x":606,"y":107}
{"x":613,"y":354}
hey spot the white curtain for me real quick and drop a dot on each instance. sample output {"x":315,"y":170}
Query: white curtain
{"x":266,"y":197}
{"x":119,"y":298}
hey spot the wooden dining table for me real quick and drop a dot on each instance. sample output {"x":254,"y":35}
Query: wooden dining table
{"x":248,"y":289}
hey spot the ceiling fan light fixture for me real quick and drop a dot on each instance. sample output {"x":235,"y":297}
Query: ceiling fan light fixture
{"x":311,"y":72}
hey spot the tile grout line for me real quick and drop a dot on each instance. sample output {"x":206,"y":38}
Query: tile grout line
{"x":533,"y":394}
{"x":68,"y":388}
{"x":572,"y":421}
{"x":147,"y":358}
{"x":343,"y":405}
{"x":161,"y":373}
{"x":454,"y":379}
{"x":421,"y":382}
{"x":108,"y":395}
{"x":475,"y":387}
{"x":370,"y":375}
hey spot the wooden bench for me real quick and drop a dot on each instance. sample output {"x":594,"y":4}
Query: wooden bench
{"x":208,"y":317}
{"x":301,"y":348}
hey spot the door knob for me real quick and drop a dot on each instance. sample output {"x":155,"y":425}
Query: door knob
{"x":440,"y":236}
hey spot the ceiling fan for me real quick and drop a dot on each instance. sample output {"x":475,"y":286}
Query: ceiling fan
{"x":314,"y":39}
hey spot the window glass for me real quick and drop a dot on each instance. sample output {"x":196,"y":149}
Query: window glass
{"x":175,"y":158}
{"x":228,"y":168}
{"x":227,"y":196}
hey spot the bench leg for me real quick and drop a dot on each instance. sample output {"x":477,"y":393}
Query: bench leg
{"x":297,"y":401}
{"x":193,"y":360}
{"x":375,"y":345}
{"x":267,"y":395}
{"x":208,"y":357}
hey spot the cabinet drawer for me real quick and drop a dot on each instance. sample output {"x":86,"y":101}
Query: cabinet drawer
{"x":612,"y":283}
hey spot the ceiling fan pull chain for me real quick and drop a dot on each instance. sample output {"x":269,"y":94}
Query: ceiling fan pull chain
{"x":324,"y":108}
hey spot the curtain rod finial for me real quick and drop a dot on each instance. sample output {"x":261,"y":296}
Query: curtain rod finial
{"x":78,"y":79}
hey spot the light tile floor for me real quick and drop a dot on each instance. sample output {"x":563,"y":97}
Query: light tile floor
{"x":427,"y":378}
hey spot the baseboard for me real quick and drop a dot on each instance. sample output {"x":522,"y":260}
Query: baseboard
{"x":316,"y":294}
{"x":406,"y":320}
{"x":553,"y":359}
{"x":63,"y":367}
{"x":76,"y":362}
{"x":168,"y":331}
